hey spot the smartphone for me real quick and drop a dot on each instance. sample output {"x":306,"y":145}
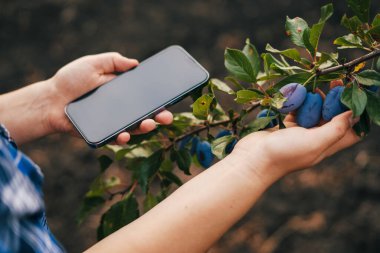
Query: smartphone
{"x":121,"y":104}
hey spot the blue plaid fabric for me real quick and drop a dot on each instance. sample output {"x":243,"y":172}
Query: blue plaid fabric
{"x":23,"y":225}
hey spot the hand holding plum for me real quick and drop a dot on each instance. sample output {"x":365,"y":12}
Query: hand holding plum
{"x":295,"y":147}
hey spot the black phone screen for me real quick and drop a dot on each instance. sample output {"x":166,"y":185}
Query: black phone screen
{"x":136,"y":94}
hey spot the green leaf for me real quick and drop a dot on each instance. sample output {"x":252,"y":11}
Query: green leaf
{"x":147,"y":168}
{"x":195,"y":94}
{"x":253,"y":56}
{"x":88,"y":205}
{"x":183,"y":159}
{"x":376,"y":20}
{"x":354,"y":98}
{"x":349,"y":41}
{"x":368,"y":77}
{"x":104,"y":162}
{"x":166,"y":165}
{"x":202,"y":106}
{"x":172,"y":177}
{"x":363,"y":127}
{"x":138,"y":139}
{"x":270,"y":61}
{"x":291,"y":53}
{"x":326,"y":12}
{"x":353,"y":24}
{"x":306,"y":40}
{"x":150,"y":201}
{"x":218,"y":146}
{"x":327,"y":60}
{"x":256,"y":125}
{"x":378,"y":64}
{"x":222,"y":86}
{"x":245,"y":96}
{"x":234,"y":82}
{"x":315,"y":34}
{"x":360,"y":8}
{"x":119,"y":215}
{"x":373,"y":107}
{"x":278,"y":100}
{"x":316,"y":29}
{"x":296,"y":78}
{"x":101,"y":184}
{"x":295,"y":28}
{"x":375,"y":31}
{"x":238,"y":65}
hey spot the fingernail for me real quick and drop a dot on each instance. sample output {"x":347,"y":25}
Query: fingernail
{"x":353,"y":121}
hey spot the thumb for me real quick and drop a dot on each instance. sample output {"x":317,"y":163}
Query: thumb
{"x":107,"y":63}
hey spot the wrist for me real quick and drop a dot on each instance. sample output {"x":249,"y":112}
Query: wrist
{"x":255,"y":167}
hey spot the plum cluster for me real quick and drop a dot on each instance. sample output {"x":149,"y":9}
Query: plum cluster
{"x":202,"y":148}
{"x":310,"y":107}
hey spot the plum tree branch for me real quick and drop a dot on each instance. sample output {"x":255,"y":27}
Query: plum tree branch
{"x":349,"y":64}
{"x":213,"y":124}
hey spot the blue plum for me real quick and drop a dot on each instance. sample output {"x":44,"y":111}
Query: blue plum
{"x":309,"y":113}
{"x":204,"y":154}
{"x":230,"y":146}
{"x":194,"y":145}
{"x":295,"y":94}
{"x":372,"y":88}
{"x":264,"y":113}
{"x":223,"y":133}
{"x":184,"y":141}
{"x":332,"y":105}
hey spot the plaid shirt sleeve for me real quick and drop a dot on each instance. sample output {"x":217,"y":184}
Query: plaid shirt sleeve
{"x":23,"y":225}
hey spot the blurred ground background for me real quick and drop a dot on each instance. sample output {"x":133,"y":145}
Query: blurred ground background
{"x":334,"y":207}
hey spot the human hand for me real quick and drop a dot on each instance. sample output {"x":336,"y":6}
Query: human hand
{"x":83,"y":75}
{"x":279,"y":152}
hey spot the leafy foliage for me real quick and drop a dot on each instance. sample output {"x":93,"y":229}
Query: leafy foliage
{"x":153,"y":160}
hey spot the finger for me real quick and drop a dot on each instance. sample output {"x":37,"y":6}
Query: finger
{"x":111,"y":62}
{"x":106,"y":78}
{"x":330,"y":133}
{"x":291,"y":117}
{"x":348,"y":140}
{"x":123,"y":138}
{"x":146,"y":126}
{"x":165,"y":117}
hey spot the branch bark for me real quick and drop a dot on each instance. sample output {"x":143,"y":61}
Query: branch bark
{"x":349,"y":64}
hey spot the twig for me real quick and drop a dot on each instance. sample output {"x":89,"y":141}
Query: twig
{"x":350,"y":64}
{"x":214,"y":124}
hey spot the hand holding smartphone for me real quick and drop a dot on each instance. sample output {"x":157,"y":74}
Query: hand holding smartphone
{"x":138,"y":94}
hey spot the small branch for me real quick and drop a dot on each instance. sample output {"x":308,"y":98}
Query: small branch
{"x":350,"y":64}
{"x":214,"y":124}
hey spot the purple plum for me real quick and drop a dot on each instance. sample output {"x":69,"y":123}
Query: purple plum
{"x":204,"y":154}
{"x":309,"y":113}
{"x":295,"y":94}
{"x":332,"y":105}
{"x":264,"y":113}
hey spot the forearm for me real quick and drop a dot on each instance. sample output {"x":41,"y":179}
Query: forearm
{"x":196,"y":215}
{"x":24,"y":111}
